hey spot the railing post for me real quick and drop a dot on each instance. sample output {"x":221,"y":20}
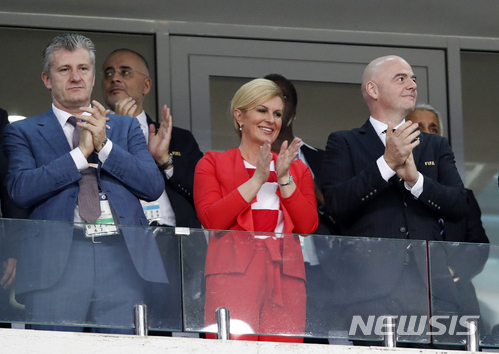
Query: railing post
{"x":472,"y":336}
{"x":390,"y":334}
{"x":140,"y":320}
{"x":223,"y":323}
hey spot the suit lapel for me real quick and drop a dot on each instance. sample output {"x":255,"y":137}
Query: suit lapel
{"x":371,"y":140}
{"x":150,"y":121}
{"x":53,"y":134}
{"x":418,"y":149}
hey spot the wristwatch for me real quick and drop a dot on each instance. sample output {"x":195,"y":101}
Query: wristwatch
{"x":167,"y":164}
{"x":103,"y":144}
{"x":288,"y":182}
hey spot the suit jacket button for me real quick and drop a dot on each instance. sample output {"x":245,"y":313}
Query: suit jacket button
{"x":402,"y":229}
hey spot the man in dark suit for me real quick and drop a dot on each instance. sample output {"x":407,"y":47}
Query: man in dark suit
{"x":388,"y":180}
{"x":466,"y":260}
{"x":125,"y":85}
{"x":89,"y":272}
{"x":7,"y":258}
{"x":8,"y":230}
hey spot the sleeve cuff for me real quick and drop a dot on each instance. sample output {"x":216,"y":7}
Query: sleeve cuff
{"x":416,"y":189}
{"x":384,"y":169}
{"x":169,"y":172}
{"x":105,"y":151}
{"x":79,"y":160}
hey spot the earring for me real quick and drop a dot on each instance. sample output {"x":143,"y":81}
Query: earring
{"x":240,"y":126}
{"x":291,"y":121}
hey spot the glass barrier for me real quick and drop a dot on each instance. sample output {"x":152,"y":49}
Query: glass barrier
{"x":464,"y":286}
{"x":66,"y":280}
{"x":352,"y":285}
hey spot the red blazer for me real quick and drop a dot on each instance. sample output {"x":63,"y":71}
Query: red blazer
{"x":220,"y":206}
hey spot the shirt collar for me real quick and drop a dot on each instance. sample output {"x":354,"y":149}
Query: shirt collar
{"x":142,"y":118}
{"x":380,"y":127}
{"x":62,"y":116}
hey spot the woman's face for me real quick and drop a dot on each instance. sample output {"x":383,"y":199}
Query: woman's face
{"x":262,"y":122}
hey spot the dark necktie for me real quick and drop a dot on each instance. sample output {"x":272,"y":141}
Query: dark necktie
{"x":88,"y":198}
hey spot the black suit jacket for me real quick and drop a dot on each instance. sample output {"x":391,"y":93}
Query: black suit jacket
{"x":186,"y":155}
{"x":468,"y":258}
{"x":327,"y":224}
{"x":9,"y":210}
{"x":364,"y":204}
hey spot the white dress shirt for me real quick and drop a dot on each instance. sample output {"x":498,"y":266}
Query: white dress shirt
{"x":384,"y":169}
{"x":165,"y":206}
{"x":78,"y":157}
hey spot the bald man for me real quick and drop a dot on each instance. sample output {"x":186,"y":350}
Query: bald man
{"x":125,"y":85}
{"x":387,"y":180}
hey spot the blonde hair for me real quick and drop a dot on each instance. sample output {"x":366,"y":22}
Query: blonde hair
{"x":252,"y":94}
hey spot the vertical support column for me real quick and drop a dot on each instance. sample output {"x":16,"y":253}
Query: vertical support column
{"x":473,"y":336}
{"x":223,"y":323}
{"x":390,"y":334}
{"x":163,"y":88}
{"x":140,"y":320}
{"x":456,"y":133}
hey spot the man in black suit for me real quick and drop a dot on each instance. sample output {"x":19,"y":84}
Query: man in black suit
{"x":388,"y":180}
{"x":7,"y":258}
{"x":8,"y":231}
{"x":125,"y":85}
{"x":7,"y":245}
{"x":466,"y":260}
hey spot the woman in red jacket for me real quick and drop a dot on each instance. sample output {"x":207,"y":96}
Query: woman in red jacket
{"x":259,"y":277}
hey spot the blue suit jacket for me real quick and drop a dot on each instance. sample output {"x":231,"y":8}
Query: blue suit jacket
{"x":43,"y":177}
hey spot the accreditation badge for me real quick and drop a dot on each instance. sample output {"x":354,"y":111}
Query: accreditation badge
{"x":152,"y":210}
{"x":104,"y":225}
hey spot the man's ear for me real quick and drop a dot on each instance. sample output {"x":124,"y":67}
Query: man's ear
{"x":372,"y":90}
{"x":46,"y":81}
{"x":147,"y":86}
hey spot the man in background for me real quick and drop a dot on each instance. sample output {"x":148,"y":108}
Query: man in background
{"x":125,"y":85}
{"x":9,"y":229}
{"x":464,"y":261}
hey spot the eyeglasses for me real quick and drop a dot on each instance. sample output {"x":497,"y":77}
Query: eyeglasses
{"x":125,"y":73}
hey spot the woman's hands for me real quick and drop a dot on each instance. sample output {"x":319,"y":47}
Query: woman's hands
{"x":286,"y":157}
{"x":262,"y":170}
{"x":250,"y":188}
{"x":284,"y":160}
